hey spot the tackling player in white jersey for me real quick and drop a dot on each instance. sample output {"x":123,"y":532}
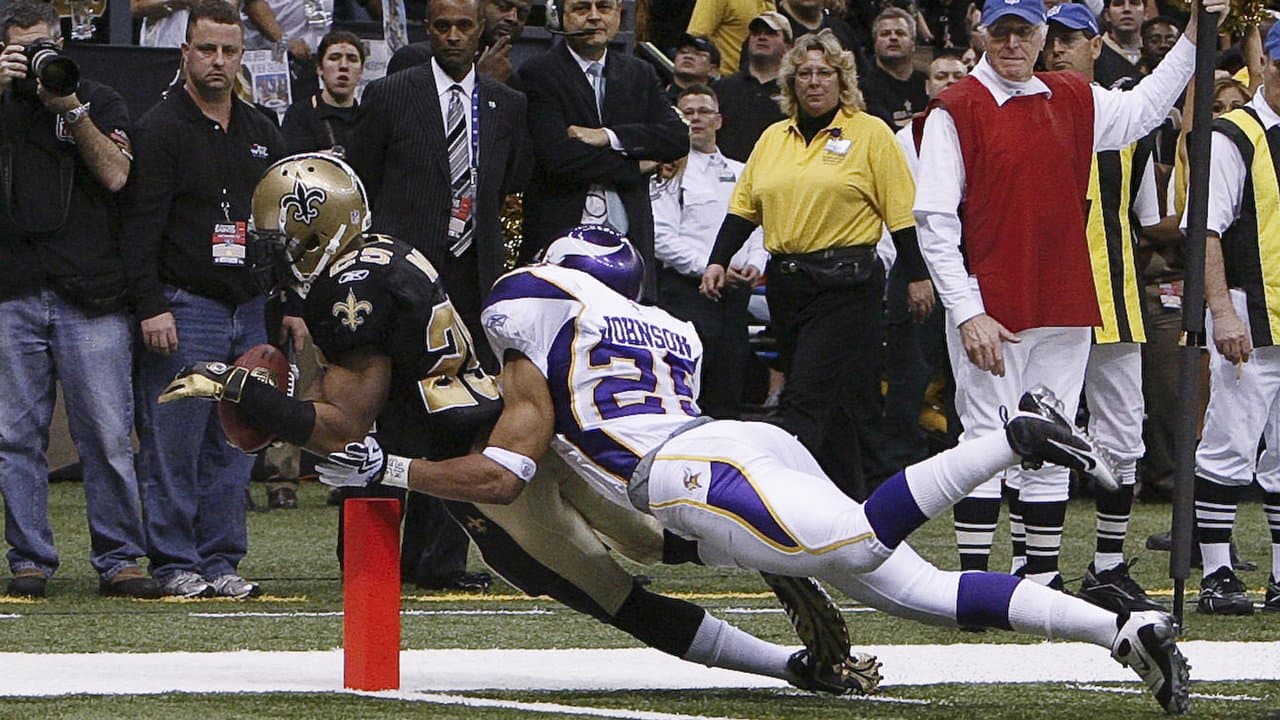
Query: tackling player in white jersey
{"x":609,"y":383}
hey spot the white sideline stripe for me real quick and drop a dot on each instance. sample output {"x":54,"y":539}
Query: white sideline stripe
{"x":537,"y":707}
{"x":1198,"y":696}
{"x":589,"y":669}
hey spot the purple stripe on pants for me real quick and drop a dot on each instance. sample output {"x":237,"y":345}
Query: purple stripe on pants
{"x":730,"y":491}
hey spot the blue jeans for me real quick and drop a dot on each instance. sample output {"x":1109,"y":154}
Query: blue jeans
{"x":193,"y":482}
{"x":43,"y":337}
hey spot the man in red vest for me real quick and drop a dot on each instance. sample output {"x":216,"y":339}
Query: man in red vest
{"x":1000,"y":210}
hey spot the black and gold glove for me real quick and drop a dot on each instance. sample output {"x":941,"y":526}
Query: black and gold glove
{"x":209,"y":380}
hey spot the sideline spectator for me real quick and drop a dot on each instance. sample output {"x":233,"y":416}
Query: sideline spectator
{"x":324,"y":121}
{"x":687,"y":211}
{"x":600,"y":123}
{"x":725,"y":23}
{"x":1158,"y":37}
{"x":200,"y":152}
{"x":822,"y":184}
{"x":1013,"y":323}
{"x":747,"y":98}
{"x":893,"y":88}
{"x":1117,"y":66}
{"x":436,"y":179}
{"x":696,"y":62}
{"x":62,"y":312}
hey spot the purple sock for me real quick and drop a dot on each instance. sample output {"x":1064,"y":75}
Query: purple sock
{"x":893,"y":512}
{"x":983,"y":599}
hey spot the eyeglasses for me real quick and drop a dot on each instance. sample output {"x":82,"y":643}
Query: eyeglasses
{"x":695,"y":112}
{"x":1003,"y":32}
{"x":807,"y":74}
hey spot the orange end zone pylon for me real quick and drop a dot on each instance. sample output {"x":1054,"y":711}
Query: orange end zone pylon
{"x":371,"y":594}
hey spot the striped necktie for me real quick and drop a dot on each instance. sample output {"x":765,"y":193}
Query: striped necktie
{"x":460,"y":165}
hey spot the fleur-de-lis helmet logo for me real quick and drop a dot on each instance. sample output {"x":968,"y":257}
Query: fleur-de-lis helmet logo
{"x":303,"y":204}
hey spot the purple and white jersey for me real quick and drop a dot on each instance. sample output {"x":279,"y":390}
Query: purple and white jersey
{"x":623,"y":376}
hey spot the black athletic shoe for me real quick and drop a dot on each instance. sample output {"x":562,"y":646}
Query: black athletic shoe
{"x":1043,"y":434}
{"x":1115,"y":590}
{"x":814,"y":616}
{"x":1145,"y":644}
{"x":1272,"y":601}
{"x":1222,"y":593}
{"x":858,"y":674}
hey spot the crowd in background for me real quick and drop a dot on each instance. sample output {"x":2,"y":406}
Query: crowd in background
{"x":126,"y":237}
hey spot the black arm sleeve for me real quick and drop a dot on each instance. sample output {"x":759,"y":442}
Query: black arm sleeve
{"x":734,"y":231}
{"x":291,"y":420}
{"x":909,"y":254}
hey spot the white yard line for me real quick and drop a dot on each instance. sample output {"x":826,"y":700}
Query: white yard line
{"x":444,"y":671}
{"x":1198,"y":696}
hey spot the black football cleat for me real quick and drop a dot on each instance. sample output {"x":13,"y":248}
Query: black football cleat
{"x":857,"y":674}
{"x":1042,"y":433}
{"x":1115,"y":590}
{"x":1145,"y":643}
{"x":1222,"y":593}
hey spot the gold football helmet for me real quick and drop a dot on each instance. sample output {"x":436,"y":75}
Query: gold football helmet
{"x":313,"y":206}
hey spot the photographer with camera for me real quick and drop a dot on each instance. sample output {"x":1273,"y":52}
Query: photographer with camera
{"x":64,"y":154}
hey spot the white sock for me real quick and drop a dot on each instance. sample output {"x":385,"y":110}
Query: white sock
{"x":941,"y":481}
{"x":719,"y":644}
{"x":1215,"y":555}
{"x":1037,"y":610}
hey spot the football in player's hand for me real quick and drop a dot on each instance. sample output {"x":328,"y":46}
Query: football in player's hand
{"x":271,"y":366}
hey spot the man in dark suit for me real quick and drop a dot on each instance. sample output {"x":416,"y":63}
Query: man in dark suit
{"x":438,"y":147}
{"x":599,"y":122}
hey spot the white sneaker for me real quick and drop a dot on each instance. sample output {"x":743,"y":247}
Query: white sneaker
{"x":186,"y":584}
{"x":1145,"y":644}
{"x":234,"y":586}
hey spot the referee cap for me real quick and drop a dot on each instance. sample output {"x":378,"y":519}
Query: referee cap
{"x":1272,"y":43}
{"x":1030,"y":10}
{"x":1074,"y":17}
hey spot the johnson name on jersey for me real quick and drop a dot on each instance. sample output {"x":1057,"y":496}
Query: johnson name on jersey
{"x":386,"y":297}
{"x":623,"y":376}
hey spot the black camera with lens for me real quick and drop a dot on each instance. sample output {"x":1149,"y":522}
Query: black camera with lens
{"x":58,"y":73}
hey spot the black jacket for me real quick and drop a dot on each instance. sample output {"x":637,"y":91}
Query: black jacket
{"x":183,"y":162}
{"x":56,"y":220}
{"x":635,"y":109}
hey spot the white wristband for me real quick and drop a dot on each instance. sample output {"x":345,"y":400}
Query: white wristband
{"x":396,"y":472}
{"x":521,"y":466}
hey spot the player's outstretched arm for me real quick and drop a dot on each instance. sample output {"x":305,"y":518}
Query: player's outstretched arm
{"x":495,"y":476}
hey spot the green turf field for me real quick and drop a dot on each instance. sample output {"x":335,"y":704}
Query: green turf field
{"x":292,"y":554}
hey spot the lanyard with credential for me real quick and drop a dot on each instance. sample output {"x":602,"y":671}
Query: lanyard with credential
{"x":475,"y":135}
